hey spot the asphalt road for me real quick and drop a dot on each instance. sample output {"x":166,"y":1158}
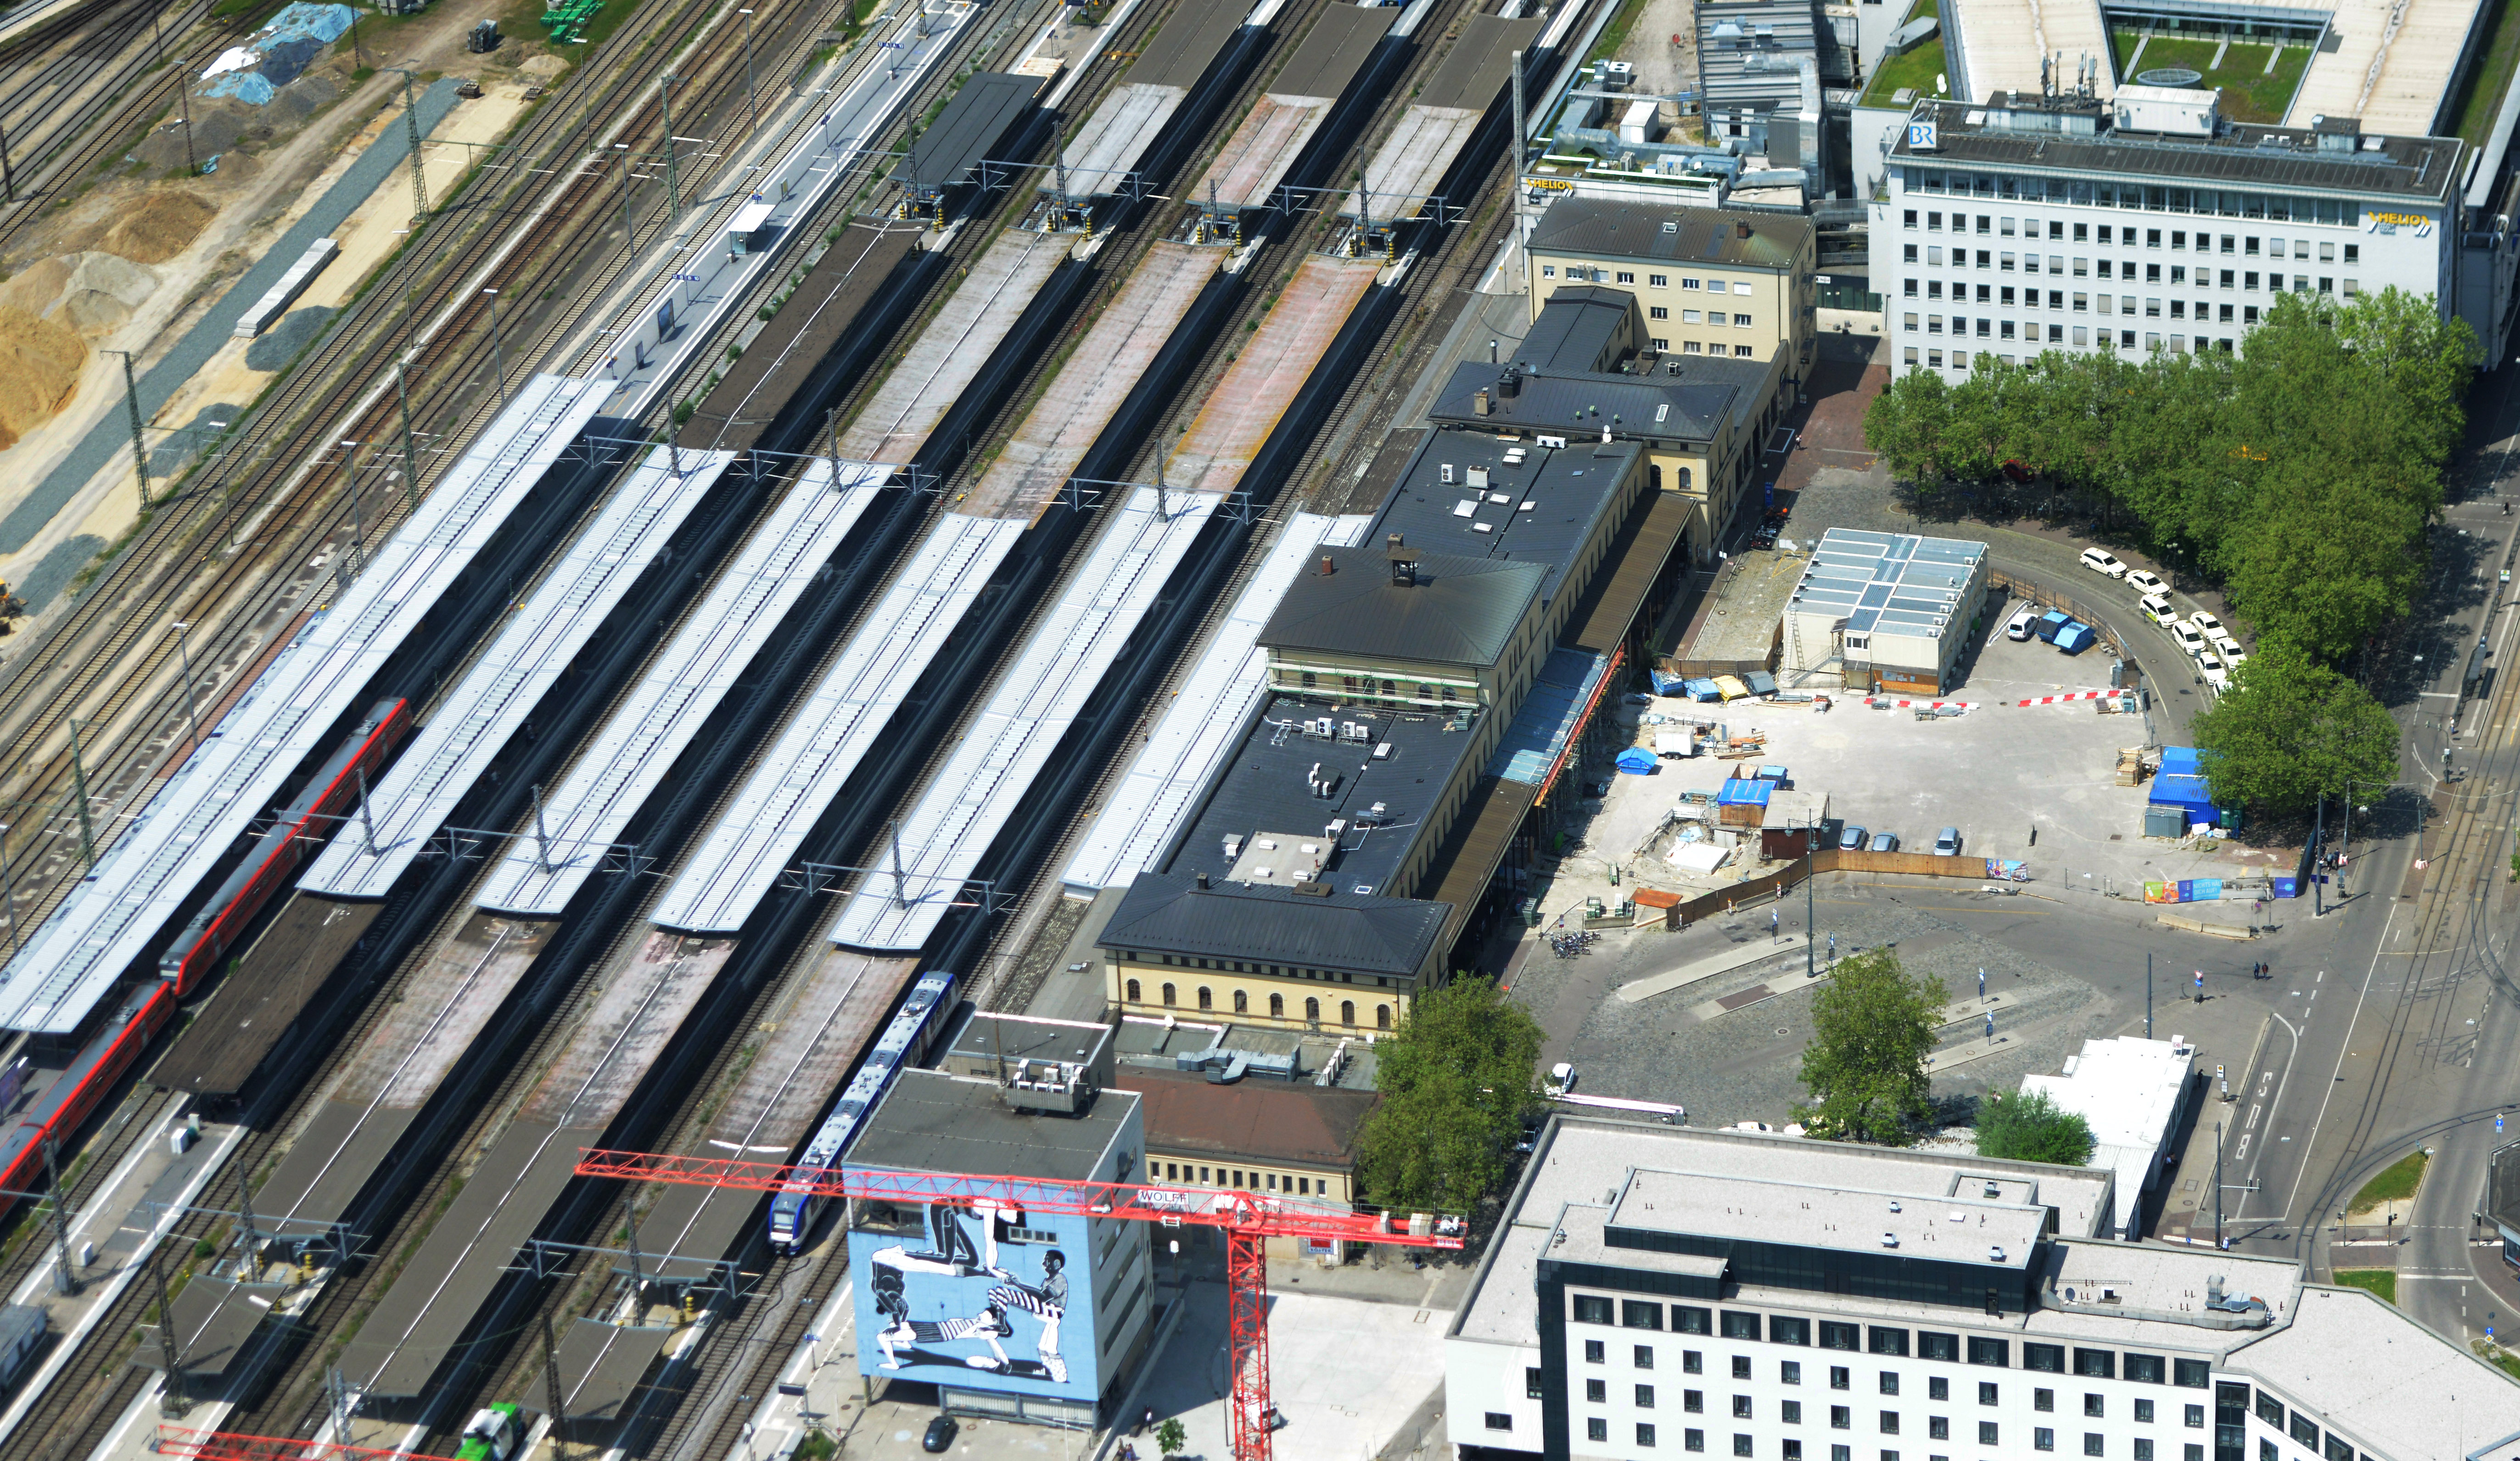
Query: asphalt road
{"x":2402,"y":1038}
{"x":2394,"y":1016}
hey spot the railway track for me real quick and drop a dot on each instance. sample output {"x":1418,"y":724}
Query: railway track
{"x":251,"y":538}
{"x":94,"y":1389}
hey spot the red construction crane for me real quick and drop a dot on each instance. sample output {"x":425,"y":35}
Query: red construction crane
{"x":1248,"y":1219}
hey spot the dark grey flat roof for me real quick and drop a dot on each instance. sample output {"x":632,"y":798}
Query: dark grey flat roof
{"x":1474,"y":73}
{"x":1656,"y":407}
{"x":1344,"y":930}
{"x":1711,"y":237}
{"x":988,"y":106}
{"x":1578,"y":329}
{"x":1459,"y":611}
{"x":934,"y":1123}
{"x":1267,"y":788}
{"x":1185,"y":46}
{"x":601,"y":1366}
{"x":1332,"y":52}
{"x":416,"y":1326}
{"x":332,"y":1159}
{"x":1553,"y":497}
{"x":214,"y":1318}
{"x":2404,"y":166}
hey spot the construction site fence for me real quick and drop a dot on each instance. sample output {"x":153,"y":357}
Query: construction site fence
{"x":1681,"y":914}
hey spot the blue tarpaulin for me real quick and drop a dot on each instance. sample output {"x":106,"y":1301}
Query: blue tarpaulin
{"x":1739,"y":792}
{"x":1667,"y":683}
{"x":284,"y":48}
{"x":1636,"y":760}
{"x":1703,"y":689}
{"x":2188,"y":794}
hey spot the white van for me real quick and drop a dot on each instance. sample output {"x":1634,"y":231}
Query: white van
{"x":2021,"y":623}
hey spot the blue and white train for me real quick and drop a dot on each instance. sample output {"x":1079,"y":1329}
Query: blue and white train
{"x":905,"y":1042}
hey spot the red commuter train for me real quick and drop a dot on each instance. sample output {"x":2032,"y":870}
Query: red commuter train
{"x":293,"y":838}
{"x":60,"y":1107}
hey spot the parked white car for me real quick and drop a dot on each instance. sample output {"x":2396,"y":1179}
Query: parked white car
{"x":1562,"y":1079}
{"x":2217,"y":678}
{"x":2189,"y":639}
{"x":2105,"y":563}
{"x":2157,"y":607}
{"x":2147,"y":582}
{"x":2206,"y":623}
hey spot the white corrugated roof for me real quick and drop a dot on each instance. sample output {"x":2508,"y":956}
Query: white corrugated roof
{"x":123,"y":907}
{"x":794,"y":782}
{"x":683,"y":684}
{"x":1039,"y":697}
{"x":533,"y":648}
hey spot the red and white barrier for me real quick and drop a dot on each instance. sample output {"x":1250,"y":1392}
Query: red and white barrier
{"x":2058,"y":699}
{"x":1880,"y":702}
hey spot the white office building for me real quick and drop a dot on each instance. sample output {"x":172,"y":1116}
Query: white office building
{"x":2132,"y":1093}
{"x":2144,"y":222}
{"x":1658,"y":1291}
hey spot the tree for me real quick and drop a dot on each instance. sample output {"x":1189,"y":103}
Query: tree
{"x":1170,"y":1437}
{"x":1457,"y":1085}
{"x":1872,"y":1026}
{"x":2289,"y":729}
{"x":1907,"y":423}
{"x":2030,"y":1126}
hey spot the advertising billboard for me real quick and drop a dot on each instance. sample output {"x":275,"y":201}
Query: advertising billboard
{"x":975,"y":1295}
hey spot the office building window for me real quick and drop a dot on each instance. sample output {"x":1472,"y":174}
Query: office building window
{"x":1744,"y":352}
{"x":2093,"y":1444}
{"x":1593,"y":1350}
{"x":1627,"y":276}
{"x":1741,"y":1326}
{"x":1691,"y":1318}
{"x":2041,"y":1439}
{"x":1548,"y":271}
{"x":1657,"y":312}
{"x":1592,"y":1308}
{"x":1692,"y":1440}
{"x":1637,"y":1313}
{"x":1658,"y":280}
{"x":1498,"y":1420}
{"x":1645,"y":1398}
{"x":1597,"y":1428}
{"x":1644,"y":1433}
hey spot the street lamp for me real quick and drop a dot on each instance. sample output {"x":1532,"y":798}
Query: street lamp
{"x":191,"y":713}
{"x":498,"y":359}
{"x":751,"y":100}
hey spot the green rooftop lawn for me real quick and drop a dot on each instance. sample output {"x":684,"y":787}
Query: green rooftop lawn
{"x":2482,"y":100}
{"x":2250,"y":92}
{"x":1916,"y":66}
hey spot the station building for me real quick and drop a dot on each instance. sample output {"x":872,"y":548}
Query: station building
{"x":1722,"y":282}
{"x":1656,"y":1289}
{"x":1587,"y":368}
{"x":1010,"y":1312}
{"x":1420,"y":692}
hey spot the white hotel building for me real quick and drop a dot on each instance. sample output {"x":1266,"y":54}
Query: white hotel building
{"x":1658,"y":1292}
{"x":2146,"y":222}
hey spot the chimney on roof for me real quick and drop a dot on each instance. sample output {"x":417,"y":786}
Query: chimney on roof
{"x":1202,"y":880}
{"x":1404,"y":562}
{"x":1479,"y":402}
{"x":1741,"y":230}
{"x":1329,"y":566}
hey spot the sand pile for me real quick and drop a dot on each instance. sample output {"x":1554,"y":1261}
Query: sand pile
{"x":160,"y":225}
{"x":101,"y":291}
{"x":38,"y":286}
{"x":543,"y":67}
{"x":39,"y":371}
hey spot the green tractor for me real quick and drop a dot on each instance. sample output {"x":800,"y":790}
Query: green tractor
{"x":493,"y":1435}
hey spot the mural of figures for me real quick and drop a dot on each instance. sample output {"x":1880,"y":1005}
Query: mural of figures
{"x":960,"y":1294}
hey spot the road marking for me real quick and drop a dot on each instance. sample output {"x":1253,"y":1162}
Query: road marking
{"x":2252,"y":1124}
{"x":2334,"y":1076}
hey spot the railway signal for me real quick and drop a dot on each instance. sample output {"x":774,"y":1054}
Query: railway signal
{"x":1248,"y":1219}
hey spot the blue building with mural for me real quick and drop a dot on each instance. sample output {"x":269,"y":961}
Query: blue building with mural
{"x":1011,"y":1312}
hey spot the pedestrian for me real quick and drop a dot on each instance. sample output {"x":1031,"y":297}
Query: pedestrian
{"x":2034,"y":834}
